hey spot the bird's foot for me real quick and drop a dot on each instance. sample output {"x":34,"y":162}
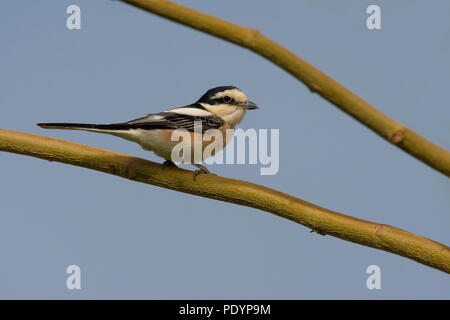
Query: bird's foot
{"x":202,"y":170}
{"x":169,"y":163}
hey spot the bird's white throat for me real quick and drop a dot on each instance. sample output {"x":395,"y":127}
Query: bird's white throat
{"x":230,"y":114}
{"x":234,"y":117}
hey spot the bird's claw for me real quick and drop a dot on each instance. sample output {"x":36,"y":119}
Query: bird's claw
{"x":202,"y":170}
{"x":169,"y":163}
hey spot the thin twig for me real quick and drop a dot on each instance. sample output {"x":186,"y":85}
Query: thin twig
{"x":320,"y":220}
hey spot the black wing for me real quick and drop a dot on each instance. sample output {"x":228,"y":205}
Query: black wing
{"x":173,"y":120}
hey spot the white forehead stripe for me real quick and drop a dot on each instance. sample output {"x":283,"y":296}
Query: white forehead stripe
{"x":234,"y":93}
{"x":191,"y":111}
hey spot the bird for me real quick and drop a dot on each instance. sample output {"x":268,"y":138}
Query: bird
{"x":220,"y":108}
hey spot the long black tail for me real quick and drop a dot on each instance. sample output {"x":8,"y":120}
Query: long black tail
{"x":84,"y":126}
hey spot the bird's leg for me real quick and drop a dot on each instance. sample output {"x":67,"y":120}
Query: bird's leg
{"x":169,"y":163}
{"x":202,"y":169}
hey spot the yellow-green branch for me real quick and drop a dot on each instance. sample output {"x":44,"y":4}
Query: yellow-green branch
{"x":244,"y":193}
{"x":317,"y":81}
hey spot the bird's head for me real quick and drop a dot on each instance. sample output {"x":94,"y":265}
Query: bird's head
{"x":227,"y":102}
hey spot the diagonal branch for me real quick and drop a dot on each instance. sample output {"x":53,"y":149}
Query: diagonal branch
{"x":244,"y":193}
{"x":317,"y":81}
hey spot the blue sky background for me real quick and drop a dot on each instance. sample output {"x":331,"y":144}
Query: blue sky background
{"x":133,"y":240}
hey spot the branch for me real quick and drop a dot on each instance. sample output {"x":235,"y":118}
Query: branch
{"x":317,"y":81}
{"x":321,"y":220}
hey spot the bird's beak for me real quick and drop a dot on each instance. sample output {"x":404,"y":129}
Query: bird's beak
{"x":249,"y":105}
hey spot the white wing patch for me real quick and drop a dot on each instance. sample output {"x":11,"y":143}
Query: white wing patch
{"x":192,"y":112}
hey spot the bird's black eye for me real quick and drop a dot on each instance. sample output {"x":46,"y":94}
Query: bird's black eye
{"x":227,"y":99}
